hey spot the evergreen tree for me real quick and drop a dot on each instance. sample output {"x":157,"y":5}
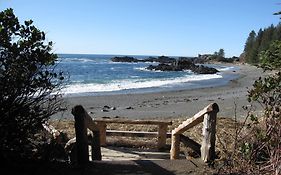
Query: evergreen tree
{"x":277,"y":32}
{"x":248,"y":49}
{"x":267,"y":38}
{"x":254,"y":52}
{"x":221,"y":53}
{"x":257,"y":43}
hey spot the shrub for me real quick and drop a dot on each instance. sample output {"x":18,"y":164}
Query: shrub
{"x":29,"y":84}
{"x":257,"y":144}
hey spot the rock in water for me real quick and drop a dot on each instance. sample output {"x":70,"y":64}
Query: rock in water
{"x":184,"y":65}
{"x":204,"y":70}
{"x":124,"y":59}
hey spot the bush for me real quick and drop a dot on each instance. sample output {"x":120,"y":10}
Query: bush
{"x":29,"y":85}
{"x":257,"y":147}
{"x":267,"y":91}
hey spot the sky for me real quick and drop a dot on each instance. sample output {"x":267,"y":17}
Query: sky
{"x":147,"y":27}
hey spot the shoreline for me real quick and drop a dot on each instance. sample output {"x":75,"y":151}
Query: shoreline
{"x":170,"y":104}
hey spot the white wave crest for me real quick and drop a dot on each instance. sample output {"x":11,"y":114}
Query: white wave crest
{"x":133,"y":84}
{"x":224,"y":69}
{"x":141,"y":69}
{"x":84,"y":60}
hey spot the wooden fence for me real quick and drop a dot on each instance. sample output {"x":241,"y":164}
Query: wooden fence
{"x":207,"y":150}
{"x":161,"y":134}
{"x":83,"y":122}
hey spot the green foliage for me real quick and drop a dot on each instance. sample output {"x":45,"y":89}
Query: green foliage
{"x":245,"y":149}
{"x":267,"y":91}
{"x":257,"y":143}
{"x":265,"y":140}
{"x":221,"y":53}
{"x":220,"y":56}
{"x":257,"y":43}
{"x":29,"y":84}
{"x":250,"y":52}
{"x":271,"y":58}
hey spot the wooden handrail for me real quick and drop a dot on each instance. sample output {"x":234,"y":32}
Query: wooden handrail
{"x":208,"y":116}
{"x":83,"y":122}
{"x":196,"y":119}
{"x":81,"y":135}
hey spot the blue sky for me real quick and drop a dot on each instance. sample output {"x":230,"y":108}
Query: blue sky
{"x":147,"y":27}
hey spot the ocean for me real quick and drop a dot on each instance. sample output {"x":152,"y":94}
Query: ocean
{"x":92,"y":74}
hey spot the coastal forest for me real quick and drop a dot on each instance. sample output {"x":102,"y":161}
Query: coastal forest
{"x":258,"y":42}
{"x":257,"y":151}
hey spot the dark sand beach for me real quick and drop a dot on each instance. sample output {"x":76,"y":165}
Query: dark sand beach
{"x":172,"y":104}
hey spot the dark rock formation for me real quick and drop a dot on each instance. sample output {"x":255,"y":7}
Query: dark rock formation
{"x":204,"y":70}
{"x":184,"y":65}
{"x":124,"y":59}
{"x":170,"y":64}
{"x":207,"y":58}
{"x":161,"y":59}
{"x":163,"y":67}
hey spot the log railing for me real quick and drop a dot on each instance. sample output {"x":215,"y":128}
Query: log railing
{"x":208,"y":116}
{"x":161,"y":134}
{"x":83,"y":122}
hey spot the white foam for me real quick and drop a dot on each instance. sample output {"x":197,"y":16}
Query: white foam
{"x":147,"y":70}
{"x":84,"y":60}
{"x":134,"y":84}
{"x":223,"y":69}
{"x":141,"y":68}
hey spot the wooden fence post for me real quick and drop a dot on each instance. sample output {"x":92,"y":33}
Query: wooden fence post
{"x":96,"y":149}
{"x":208,"y":115}
{"x":81,"y":135}
{"x":102,"y":128}
{"x":175,"y":146}
{"x":209,"y":135}
{"x":162,"y":136}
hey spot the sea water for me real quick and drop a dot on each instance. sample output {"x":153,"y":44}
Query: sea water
{"x":98,"y":75}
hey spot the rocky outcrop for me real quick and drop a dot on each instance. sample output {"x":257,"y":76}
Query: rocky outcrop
{"x":209,"y":58}
{"x":169,"y":64}
{"x":163,"y":67}
{"x":204,"y":70}
{"x":124,"y":59}
{"x":184,"y":65}
{"x":161,"y":59}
